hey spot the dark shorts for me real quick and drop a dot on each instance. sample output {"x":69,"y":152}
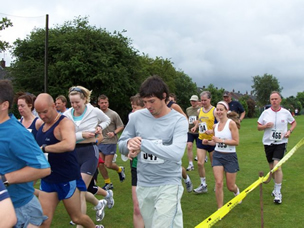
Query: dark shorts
{"x":200,"y":145}
{"x":192,"y":137}
{"x":228,"y":160}
{"x":64,"y":190}
{"x":93,"y":188}
{"x":275,"y":151}
{"x":107,"y":149}
{"x":87,"y":156}
{"x":134,"y":176}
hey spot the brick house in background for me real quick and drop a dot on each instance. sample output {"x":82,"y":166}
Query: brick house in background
{"x":237,"y":95}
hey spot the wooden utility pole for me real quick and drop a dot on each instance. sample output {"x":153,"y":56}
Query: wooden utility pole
{"x":46,"y":53}
{"x":261,"y":174}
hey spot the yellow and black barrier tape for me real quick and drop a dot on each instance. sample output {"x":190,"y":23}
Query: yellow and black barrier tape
{"x":288,"y":155}
{"x":223,"y":211}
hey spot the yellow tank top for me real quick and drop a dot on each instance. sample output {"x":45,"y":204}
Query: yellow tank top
{"x":206,"y":122}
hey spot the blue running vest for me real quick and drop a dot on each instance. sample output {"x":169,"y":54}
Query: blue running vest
{"x":64,"y":166}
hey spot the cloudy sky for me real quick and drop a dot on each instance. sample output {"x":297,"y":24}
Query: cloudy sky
{"x":223,"y":42}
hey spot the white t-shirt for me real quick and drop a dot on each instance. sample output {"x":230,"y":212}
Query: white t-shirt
{"x":280,"y":120}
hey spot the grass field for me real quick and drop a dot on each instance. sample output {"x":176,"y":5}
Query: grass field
{"x":196,"y":208}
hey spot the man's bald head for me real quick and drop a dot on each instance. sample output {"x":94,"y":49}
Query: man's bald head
{"x":44,"y":98}
{"x":45,"y":107}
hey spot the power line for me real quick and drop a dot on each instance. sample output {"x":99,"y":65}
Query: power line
{"x":20,"y":16}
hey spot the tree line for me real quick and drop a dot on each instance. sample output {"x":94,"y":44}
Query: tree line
{"x":107,"y":63}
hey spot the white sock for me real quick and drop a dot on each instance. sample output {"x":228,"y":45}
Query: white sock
{"x":98,"y":206}
{"x":191,"y":163}
{"x":237,"y":192}
{"x":277,"y":187}
{"x":203,"y":181}
{"x":187,"y":179}
{"x":108,"y":195}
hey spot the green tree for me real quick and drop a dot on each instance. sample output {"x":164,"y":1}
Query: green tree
{"x":184,"y":89}
{"x":178,"y":82}
{"x":104,"y":62}
{"x":4,"y":23}
{"x":161,"y":67}
{"x":248,"y":105}
{"x":217,"y":94}
{"x":79,"y":54}
{"x":263,"y":86}
{"x":300,"y":98}
{"x":291,"y":103}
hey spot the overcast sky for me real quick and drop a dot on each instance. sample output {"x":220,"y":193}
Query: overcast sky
{"x":223,"y":42}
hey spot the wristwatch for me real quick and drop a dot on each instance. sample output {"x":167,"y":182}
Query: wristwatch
{"x":5,"y":182}
{"x":43,"y":148}
{"x":114,"y":133}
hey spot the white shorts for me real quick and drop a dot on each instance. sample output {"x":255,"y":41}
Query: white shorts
{"x":160,"y":206}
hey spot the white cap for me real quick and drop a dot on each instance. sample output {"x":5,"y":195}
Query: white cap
{"x":194,"y":98}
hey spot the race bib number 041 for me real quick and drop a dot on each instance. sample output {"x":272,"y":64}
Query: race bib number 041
{"x":150,"y":158}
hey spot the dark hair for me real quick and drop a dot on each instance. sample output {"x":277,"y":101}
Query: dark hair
{"x":154,"y":86}
{"x":29,"y":99}
{"x":102,"y":97}
{"x":6,"y":92}
{"x":137,"y":100}
{"x":173,"y":95}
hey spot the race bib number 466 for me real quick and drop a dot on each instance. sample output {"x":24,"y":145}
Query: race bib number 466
{"x":276,"y":135}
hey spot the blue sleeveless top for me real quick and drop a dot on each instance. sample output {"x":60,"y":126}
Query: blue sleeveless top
{"x":32,"y":127}
{"x":170,"y":103}
{"x":64,"y":166}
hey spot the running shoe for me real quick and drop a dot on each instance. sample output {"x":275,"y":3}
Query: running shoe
{"x":110,"y":199}
{"x":99,"y":226}
{"x":277,"y":197}
{"x":189,"y":186}
{"x":122,"y":175}
{"x":100,"y":213}
{"x":72,"y":223}
{"x":108,"y":186}
{"x":190,"y":167}
{"x":201,"y":189}
{"x":195,"y":158}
